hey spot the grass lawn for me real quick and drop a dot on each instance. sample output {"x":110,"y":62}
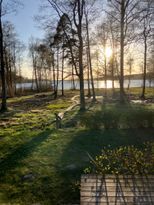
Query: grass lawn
{"x":42,"y":165}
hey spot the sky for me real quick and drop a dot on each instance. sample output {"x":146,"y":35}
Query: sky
{"x":26,"y":27}
{"x":24,"y":20}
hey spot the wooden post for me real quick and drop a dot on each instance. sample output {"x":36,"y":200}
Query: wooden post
{"x":58,"y":121}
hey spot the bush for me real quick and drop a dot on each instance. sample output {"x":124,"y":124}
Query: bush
{"x":139,"y":118}
{"x":110,"y":119}
{"x":100,"y":119}
{"x":119,"y":117}
{"x":124,"y":160}
{"x":92,"y":120}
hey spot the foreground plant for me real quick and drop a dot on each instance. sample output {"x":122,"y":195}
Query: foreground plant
{"x":124,"y":160}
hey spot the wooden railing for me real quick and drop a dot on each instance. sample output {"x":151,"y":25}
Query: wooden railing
{"x":117,"y":190}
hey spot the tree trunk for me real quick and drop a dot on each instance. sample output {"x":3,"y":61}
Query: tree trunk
{"x":15,"y":71}
{"x":3,"y":76}
{"x":81,"y":77}
{"x":88,"y":75}
{"x":129,"y":80}
{"x":62,"y":72}
{"x":54,"y":77}
{"x":57,"y":77}
{"x":112,"y":73}
{"x":82,"y":98}
{"x":73,"y":80}
{"x":122,"y":52}
{"x":36,"y":79}
{"x":145,"y":67}
{"x":90,"y":63}
{"x":113,"y":60}
{"x":105,"y":76}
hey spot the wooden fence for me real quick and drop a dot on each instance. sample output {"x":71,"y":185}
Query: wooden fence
{"x":117,"y":190}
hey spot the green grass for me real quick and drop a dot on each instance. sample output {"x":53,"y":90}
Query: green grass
{"x":39,"y":164}
{"x":149,"y":92}
{"x":134,"y":92}
{"x":48,"y":155}
{"x":59,"y":105}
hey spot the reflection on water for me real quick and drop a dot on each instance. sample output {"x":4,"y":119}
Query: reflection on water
{"x":98,"y":84}
{"x":101,"y":84}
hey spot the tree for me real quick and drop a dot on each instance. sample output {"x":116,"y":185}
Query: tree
{"x":75,"y":9}
{"x":12,"y":52}
{"x":130,"y":62}
{"x":5,"y":8}
{"x":60,"y":42}
{"x":125,"y":12}
{"x":78,"y":11}
{"x":33,"y":54}
{"x":42,"y":59}
{"x":87,"y":11}
{"x":113,"y":37}
{"x":103,"y":36}
{"x":150,"y":66}
{"x":4,"y":95}
{"x":147,"y":20}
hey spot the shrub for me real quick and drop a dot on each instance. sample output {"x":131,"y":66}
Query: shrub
{"x":92,"y":120}
{"x":119,"y":117}
{"x":124,"y":160}
{"x":139,"y":118}
{"x":110,"y":119}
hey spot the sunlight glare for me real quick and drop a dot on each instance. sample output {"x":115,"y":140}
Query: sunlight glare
{"x":108,"y":52}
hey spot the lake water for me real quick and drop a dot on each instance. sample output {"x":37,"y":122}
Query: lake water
{"x":98,"y":84}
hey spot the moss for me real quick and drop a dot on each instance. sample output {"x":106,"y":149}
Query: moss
{"x":58,"y":106}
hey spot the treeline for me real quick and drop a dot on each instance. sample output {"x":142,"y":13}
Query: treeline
{"x":92,"y":39}
{"x":10,"y":53}
{"x":12,"y":49}
{"x":89,"y":39}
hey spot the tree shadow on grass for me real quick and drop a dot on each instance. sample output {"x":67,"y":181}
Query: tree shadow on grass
{"x":92,"y":142}
{"x":14,"y":159}
{"x":60,"y":184}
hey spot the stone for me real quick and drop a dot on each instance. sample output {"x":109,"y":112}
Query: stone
{"x":71,"y":167}
{"x":28,"y":177}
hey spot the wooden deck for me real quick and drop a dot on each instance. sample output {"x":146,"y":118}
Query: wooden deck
{"x":117,"y":190}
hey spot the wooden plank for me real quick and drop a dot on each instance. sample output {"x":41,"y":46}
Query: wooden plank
{"x":108,"y":176}
{"x":106,"y":190}
{"x":114,"y":194}
{"x":136,"y":180}
{"x":113,"y":188}
{"x":118,"y":203}
{"x":118,"y":199}
{"x":124,"y":185}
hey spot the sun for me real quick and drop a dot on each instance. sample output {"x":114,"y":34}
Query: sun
{"x":108,"y":52}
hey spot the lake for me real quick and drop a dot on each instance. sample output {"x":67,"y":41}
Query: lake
{"x":98,"y":84}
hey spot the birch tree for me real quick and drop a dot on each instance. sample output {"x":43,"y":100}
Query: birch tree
{"x":125,"y":13}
